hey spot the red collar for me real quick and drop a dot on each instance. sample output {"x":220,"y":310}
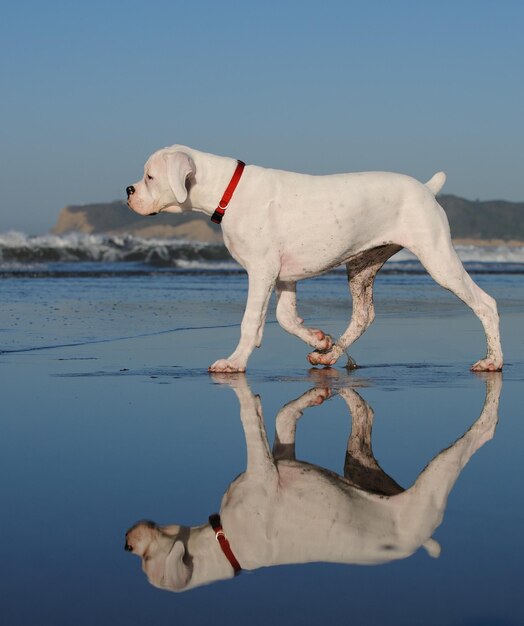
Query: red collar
{"x":220,"y":536}
{"x":228,"y":193}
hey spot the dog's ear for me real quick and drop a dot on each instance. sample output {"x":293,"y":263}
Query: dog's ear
{"x":177,"y":573}
{"x":432,"y":547}
{"x":180,"y":166}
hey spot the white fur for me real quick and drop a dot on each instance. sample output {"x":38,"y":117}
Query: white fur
{"x":283,"y":227}
{"x":281,"y":510}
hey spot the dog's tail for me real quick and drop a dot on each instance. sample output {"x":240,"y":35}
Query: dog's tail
{"x":436,"y":183}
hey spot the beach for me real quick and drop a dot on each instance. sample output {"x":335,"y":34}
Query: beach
{"x":110,"y":417}
{"x":137,"y":487}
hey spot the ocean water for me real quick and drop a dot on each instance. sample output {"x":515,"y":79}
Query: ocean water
{"x":76,"y":252}
{"x":109,"y":417}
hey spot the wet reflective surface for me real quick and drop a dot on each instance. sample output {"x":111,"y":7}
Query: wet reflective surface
{"x":285,"y":511}
{"x":387,"y":495}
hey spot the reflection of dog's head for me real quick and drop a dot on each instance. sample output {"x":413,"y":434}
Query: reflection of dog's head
{"x":178,"y":558}
{"x":162,"y":554}
{"x":165,"y":185}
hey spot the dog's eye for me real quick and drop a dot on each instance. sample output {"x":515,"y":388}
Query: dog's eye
{"x":149,"y":177}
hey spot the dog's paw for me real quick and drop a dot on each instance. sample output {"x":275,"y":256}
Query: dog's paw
{"x":323,"y":358}
{"x":320,"y":341}
{"x":225,"y":366}
{"x":487,"y":365}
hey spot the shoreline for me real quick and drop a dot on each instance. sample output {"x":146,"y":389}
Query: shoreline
{"x":185,"y":235}
{"x":487,"y":243}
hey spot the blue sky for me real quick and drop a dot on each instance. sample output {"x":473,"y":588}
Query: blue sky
{"x":90,"y":89}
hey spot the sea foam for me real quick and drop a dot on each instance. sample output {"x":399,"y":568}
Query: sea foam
{"x":19,"y":251}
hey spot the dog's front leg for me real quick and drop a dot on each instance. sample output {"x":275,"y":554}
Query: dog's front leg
{"x":261,"y":283}
{"x":288,"y":318}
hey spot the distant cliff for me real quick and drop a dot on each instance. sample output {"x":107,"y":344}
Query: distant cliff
{"x":115,"y":218}
{"x":494,"y":219}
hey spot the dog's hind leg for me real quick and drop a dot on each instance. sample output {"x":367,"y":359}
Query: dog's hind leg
{"x":288,"y":318}
{"x":361,"y":273}
{"x":444,"y":266}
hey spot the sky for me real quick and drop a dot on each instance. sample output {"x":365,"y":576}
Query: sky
{"x":90,"y":88}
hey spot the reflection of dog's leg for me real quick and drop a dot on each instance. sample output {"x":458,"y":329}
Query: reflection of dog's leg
{"x":259,"y":458}
{"x":286,"y":421}
{"x":428,"y":496}
{"x":361,"y":467}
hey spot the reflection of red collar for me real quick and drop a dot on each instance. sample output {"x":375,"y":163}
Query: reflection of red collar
{"x":220,"y":536}
{"x":228,"y":193}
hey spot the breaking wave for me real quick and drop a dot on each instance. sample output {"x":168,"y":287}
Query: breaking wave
{"x":22,"y":250}
{"x":78,"y":252}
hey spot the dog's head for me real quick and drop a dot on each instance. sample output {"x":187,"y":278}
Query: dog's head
{"x":165,"y":186}
{"x":163,"y":554}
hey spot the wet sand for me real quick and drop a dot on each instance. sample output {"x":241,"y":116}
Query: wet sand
{"x":109,"y":416}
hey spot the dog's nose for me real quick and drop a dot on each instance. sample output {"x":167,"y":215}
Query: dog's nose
{"x":128,"y":548}
{"x":130,"y":190}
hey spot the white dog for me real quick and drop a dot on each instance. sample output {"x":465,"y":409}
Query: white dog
{"x":283,"y":227}
{"x":281,"y":510}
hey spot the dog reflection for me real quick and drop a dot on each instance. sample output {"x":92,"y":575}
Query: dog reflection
{"x":281,"y":510}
